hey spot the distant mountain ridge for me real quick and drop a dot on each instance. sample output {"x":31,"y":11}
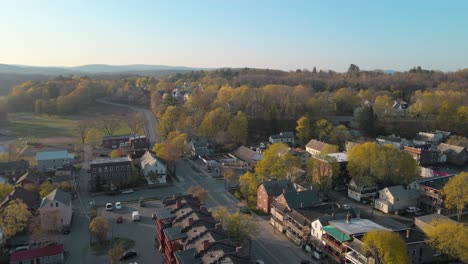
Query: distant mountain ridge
{"x":93,"y":69}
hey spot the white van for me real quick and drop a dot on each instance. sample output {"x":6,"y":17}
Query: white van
{"x":135,"y":216}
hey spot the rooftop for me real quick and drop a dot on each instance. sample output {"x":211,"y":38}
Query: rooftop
{"x":117,"y":137}
{"x":174,"y":233}
{"x":340,"y":156}
{"x":304,"y":199}
{"x":164,"y":213}
{"x":276,"y":187}
{"x":429,"y":218}
{"x":356,"y":226}
{"x":110,"y":160}
{"x":437,"y":183}
{"x":14,"y":165}
{"x":315,"y":144}
{"x":337,"y":234}
{"x":35,"y":253}
{"x":56,"y":195}
{"x":51,"y":155}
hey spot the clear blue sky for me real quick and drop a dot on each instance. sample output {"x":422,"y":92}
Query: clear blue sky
{"x":221,"y":33}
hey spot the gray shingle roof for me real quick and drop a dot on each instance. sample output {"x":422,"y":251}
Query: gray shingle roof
{"x":276,"y":187}
{"x":304,"y":199}
{"x":56,"y":195}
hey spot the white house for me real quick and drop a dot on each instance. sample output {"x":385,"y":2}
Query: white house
{"x":395,"y":198}
{"x":397,"y":142}
{"x":153,"y":169}
{"x":358,"y":191}
{"x":54,"y":160}
{"x":283,"y":137}
{"x":55,"y":210}
{"x":315,"y":147}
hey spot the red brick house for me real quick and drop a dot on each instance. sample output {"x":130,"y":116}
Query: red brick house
{"x":267,"y":191}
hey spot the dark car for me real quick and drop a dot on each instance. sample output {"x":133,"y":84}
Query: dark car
{"x":245,"y":210}
{"x":66,"y":230}
{"x":119,"y":220}
{"x":128,"y":255}
{"x":142,"y":202}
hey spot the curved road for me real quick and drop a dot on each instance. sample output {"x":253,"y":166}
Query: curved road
{"x":148,"y":118}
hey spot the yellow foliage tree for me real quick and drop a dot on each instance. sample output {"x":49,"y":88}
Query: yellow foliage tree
{"x":449,"y":238}
{"x":14,"y":218}
{"x":276,"y":162}
{"x":198,"y":192}
{"x":456,"y":193}
{"x":387,"y":245}
{"x":4,"y":190}
{"x":99,"y":228}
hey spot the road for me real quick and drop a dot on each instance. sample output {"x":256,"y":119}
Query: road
{"x":148,"y":117}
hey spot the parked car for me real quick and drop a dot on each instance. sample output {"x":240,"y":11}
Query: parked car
{"x":400,"y":212}
{"x":142,"y":202}
{"x":259,"y":261}
{"x":128,"y":255}
{"x":109,"y":207}
{"x":135,"y":216}
{"x":128,"y":191}
{"x":118,"y":205}
{"x":346,"y":206}
{"x":154,"y":216}
{"x":412,"y":210}
{"x":119,"y":220}
{"x":245,"y":210}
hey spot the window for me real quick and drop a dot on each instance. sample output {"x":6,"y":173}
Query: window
{"x":51,"y":205}
{"x":94,"y":169}
{"x":111,"y":168}
{"x":56,"y":204}
{"x":116,"y":168}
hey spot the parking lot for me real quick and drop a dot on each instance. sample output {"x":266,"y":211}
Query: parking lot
{"x":142,"y":232}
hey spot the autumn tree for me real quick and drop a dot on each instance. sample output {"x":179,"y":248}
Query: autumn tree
{"x":168,"y":121}
{"x":387,"y":245}
{"x":449,"y":238}
{"x":304,"y":129}
{"x":98,"y":228}
{"x":276,"y":162}
{"x":214,"y":122}
{"x":322,"y":171}
{"x":238,"y":128}
{"x":345,"y":100}
{"x":115,"y":253}
{"x":339,"y":135}
{"x":198,"y":192}
{"x":366,"y":120}
{"x":248,"y":186}
{"x":323,"y":129}
{"x":456,"y":193}
{"x":329,"y":148}
{"x":383,"y":105}
{"x":134,"y":123}
{"x":93,"y":135}
{"x":45,"y":188}
{"x":14,"y":218}
{"x":239,"y":226}
{"x":5,"y":189}
{"x":229,"y":176}
{"x":83,"y":128}
{"x":109,"y":125}
{"x":114,"y":153}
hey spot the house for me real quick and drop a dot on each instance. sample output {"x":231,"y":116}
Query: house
{"x":153,"y":169}
{"x":315,"y":147}
{"x":393,"y":140}
{"x":55,"y":210}
{"x":113,"y":142}
{"x":359,"y":192}
{"x":186,"y":232}
{"x":52,"y":254}
{"x":298,"y":228}
{"x":54,"y":160}
{"x":299,"y":200}
{"x":267,"y":192}
{"x":246,"y":157}
{"x":200,"y":146}
{"x":395,"y":198}
{"x":424,"y":221}
{"x":338,"y":235}
{"x":29,"y":178}
{"x":31,"y":199}
{"x":425,"y":157}
{"x":323,"y":219}
{"x":283,"y":137}
{"x":456,"y":155}
{"x":431,"y":199}
{"x":110,"y":173}
{"x":139,"y":142}
{"x":323,"y":165}
{"x":302,"y":154}
{"x":14,"y":168}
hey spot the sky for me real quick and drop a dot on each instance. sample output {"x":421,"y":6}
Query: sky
{"x":288,"y":35}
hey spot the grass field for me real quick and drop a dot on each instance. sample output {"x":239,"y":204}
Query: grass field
{"x":38,"y":126}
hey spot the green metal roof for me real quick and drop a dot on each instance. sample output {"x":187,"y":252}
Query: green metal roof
{"x":337,"y":234}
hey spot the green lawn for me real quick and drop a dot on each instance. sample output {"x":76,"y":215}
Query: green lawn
{"x":37,"y":126}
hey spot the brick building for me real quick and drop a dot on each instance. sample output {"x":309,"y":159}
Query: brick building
{"x":110,"y":173}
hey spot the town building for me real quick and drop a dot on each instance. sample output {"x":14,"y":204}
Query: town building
{"x":30,"y":198}
{"x":431,"y":199}
{"x":29,"y":178}
{"x":456,"y":155}
{"x":267,"y":192}
{"x":283,"y":137}
{"x":422,"y":222}
{"x":395,"y":198}
{"x":425,"y":157}
{"x":246,"y":157}
{"x":200,"y":146}
{"x":52,"y":254}
{"x":14,"y":168}
{"x":315,"y":147}
{"x":54,"y":160}
{"x":393,"y":140}
{"x":153,"y":169}
{"x":110,"y":173}
{"x":361,"y":192}
{"x":113,"y":142}
{"x":56,"y":211}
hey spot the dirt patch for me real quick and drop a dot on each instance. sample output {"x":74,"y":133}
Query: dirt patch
{"x":57,"y":140}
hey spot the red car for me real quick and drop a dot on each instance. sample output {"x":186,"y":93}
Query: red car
{"x":119,"y":220}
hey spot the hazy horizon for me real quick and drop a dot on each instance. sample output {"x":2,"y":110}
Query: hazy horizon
{"x":392,"y":35}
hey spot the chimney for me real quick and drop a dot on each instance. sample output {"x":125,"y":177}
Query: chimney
{"x":206,"y":243}
{"x":190,"y":221}
{"x":178,"y":204}
{"x":408,"y":231}
{"x":348,"y":218}
{"x":238,"y":250}
{"x":218,"y":226}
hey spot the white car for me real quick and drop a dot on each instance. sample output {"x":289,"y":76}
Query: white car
{"x":127,"y":191}
{"x":347,"y":206}
{"x":259,"y":261}
{"x":412,"y":210}
{"x":118,"y":205}
{"x":109,"y":207}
